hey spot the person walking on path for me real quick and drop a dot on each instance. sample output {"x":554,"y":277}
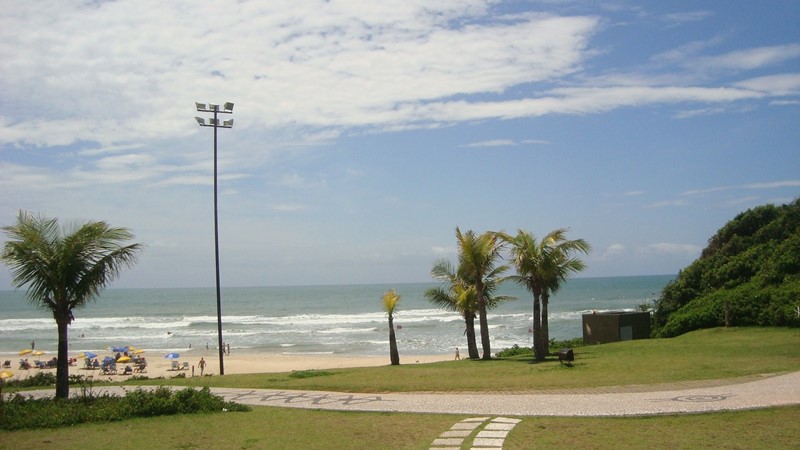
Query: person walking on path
{"x":202,"y":365}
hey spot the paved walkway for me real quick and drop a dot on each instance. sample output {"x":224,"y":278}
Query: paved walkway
{"x":722,"y":395}
{"x":688,"y":397}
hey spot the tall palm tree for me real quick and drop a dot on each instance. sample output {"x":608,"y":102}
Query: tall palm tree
{"x":477,"y":258}
{"x":562,"y":264}
{"x":65,"y":268}
{"x":390,"y":299}
{"x":456,"y":295}
{"x":541,"y":267}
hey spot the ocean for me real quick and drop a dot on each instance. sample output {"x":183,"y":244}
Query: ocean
{"x":335,"y":320}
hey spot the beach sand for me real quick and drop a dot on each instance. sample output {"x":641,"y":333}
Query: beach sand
{"x":239,"y":363}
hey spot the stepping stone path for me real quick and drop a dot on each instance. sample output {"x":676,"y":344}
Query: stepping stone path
{"x":491,"y":434}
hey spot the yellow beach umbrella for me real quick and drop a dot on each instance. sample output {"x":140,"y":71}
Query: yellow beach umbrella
{"x":38,"y":353}
{"x":138,"y":352}
{"x":25,"y":352}
{"x":124,"y":359}
{"x":6,"y":374}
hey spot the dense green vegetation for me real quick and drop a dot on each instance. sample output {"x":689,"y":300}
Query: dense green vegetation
{"x":749,"y":274}
{"x":19,"y":412}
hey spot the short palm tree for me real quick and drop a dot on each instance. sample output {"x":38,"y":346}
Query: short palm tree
{"x":456,"y":295}
{"x":390,"y":299}
{"x":65,"y":268}
{"x":541,"y":267}
{"x":477,"y":259}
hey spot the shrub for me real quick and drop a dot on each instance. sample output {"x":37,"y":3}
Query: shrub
{"x":20,"y":412}
{"x":515,"y":350}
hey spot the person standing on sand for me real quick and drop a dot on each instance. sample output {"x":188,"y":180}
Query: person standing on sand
{"x":202,"y":365}
{"x":458,"y":356}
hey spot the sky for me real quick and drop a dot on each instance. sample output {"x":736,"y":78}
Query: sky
{"x":366,"y":132}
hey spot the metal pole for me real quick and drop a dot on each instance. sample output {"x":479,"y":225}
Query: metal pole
{"x":216,"y":253}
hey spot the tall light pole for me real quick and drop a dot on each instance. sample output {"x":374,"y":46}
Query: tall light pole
{"x":227,"y":108}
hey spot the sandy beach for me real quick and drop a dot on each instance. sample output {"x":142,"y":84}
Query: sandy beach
{"x":158,"y":366}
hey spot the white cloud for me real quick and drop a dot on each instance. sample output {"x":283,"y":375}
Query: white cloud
{"x":506,"y":143}
{"x":493,"y":143}
{"x":612,"y":250}
{"x":443,"y":251}
{"x":288,"y":207}
{"x":751,"y":58}
{"x":777,"y":85}
{"x":668,"y":203}
{"x":673,"y":249}
{"x":686,"y":17}
{"x":762,"y":185}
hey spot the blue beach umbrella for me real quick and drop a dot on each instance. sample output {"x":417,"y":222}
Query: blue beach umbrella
{"x":89,"y":355}
{"x":172,"y":355}
{"x":119,"y":349}
{"x":108,"y":359}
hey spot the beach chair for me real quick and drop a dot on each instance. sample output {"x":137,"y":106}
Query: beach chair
{"x":185,"y":365}
{"x":140,"y":367}
{"x":7,"y":364}
{"x":175,"y":366}
{"x":109,"y":369}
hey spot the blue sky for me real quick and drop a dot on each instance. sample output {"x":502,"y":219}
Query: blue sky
{"x":365,"y":132}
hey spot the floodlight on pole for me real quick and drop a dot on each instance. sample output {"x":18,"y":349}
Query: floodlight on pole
{"x":214,"y":122}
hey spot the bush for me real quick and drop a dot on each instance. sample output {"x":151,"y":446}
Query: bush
{"x":555,"y":345}
{"x":515,"y":350}
{"x":566,"y":343}
{"x":20,"y":412}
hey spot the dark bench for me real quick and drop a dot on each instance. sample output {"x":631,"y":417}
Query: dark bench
{"x":566,"y":356}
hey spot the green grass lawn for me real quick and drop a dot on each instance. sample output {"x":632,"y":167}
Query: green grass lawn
{"x":708,"y":354}
{"x":702,"y":355}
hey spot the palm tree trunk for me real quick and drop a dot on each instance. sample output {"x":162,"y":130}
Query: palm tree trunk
{"x":472,"y":346}
{"x":62,"y":365}
{"x":394,"y":355}
{"x":545,"y":329}
{"x":484,"y":321}
{"x":537,"y":327}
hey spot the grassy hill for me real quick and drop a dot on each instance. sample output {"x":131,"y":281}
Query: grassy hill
{"x":749,"y":274}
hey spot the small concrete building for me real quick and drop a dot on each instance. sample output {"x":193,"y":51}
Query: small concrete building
{"x":614,"y":326}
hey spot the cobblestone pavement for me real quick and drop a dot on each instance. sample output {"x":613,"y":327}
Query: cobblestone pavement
{"x":689,"y":397}
{"x":664,"y":399}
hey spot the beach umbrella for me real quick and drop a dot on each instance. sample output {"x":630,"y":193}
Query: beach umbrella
{"x":119,"y":349}
{"x":38,"y":353}
{"x":6,"y":374}
{"x":89,"y":355}
{"x":172,"y":355}
{"x":108,"y":359}
{"x":124,"y":359}
{"x":138,"y":352}
{"x":25,"y":352}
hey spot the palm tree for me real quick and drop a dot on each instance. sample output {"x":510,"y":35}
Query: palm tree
{"x":456,"y":295}
{"x":390,"y":299}
{"x":541,"y":267}
{"x":562,"y":265}
{"x":65,"y":268}
{"x":477,"y":257}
